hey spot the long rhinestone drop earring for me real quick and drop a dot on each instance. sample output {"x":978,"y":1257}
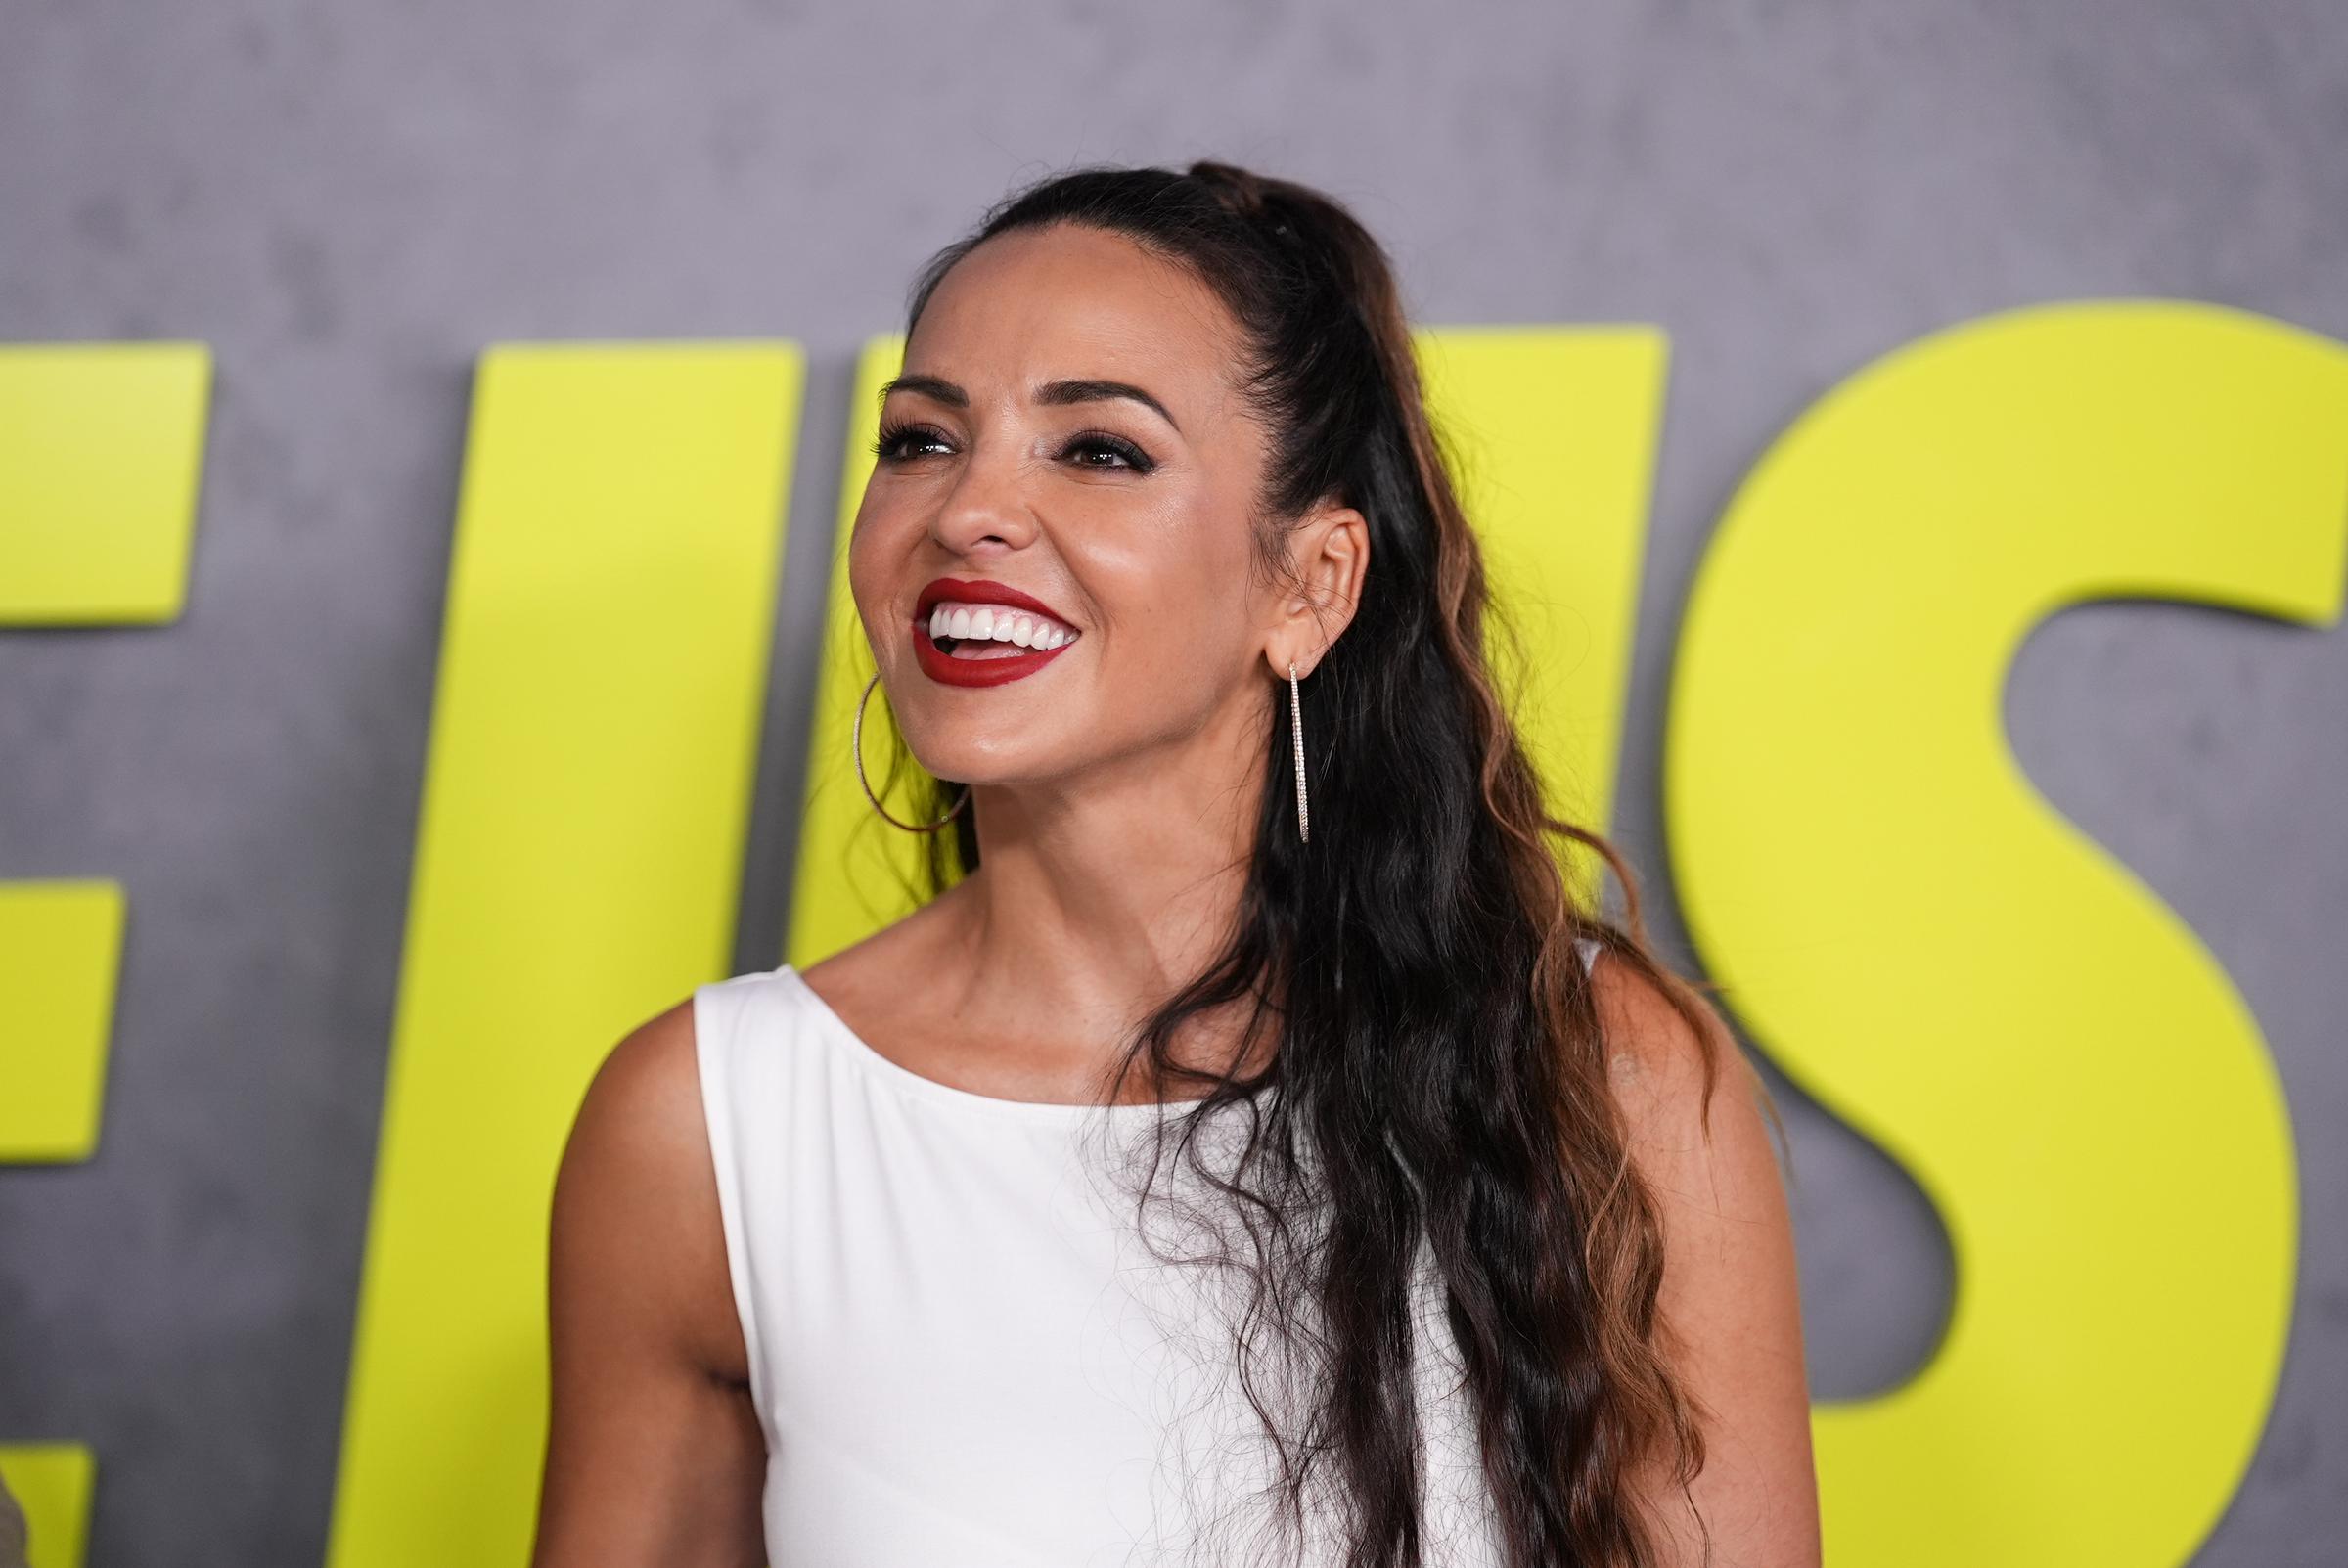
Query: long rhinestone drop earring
{"x":1304,"y":820}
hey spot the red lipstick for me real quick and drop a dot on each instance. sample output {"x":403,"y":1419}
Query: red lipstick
{"x":994,"y":670}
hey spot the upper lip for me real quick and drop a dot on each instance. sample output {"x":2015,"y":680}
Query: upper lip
{"x":965,"y":591}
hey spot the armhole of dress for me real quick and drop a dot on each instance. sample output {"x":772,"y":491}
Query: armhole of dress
{"x":715,"y":1038}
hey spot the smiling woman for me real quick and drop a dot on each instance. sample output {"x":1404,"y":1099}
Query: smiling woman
{"x":1171,"y":1185}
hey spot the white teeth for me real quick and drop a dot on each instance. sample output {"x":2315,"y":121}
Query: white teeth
{"x":996,"y":623}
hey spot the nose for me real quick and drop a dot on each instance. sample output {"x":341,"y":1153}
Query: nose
{"x":986,"y":505}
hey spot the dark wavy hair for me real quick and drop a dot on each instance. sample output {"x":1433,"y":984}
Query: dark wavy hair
{"x":1441,"y":1082}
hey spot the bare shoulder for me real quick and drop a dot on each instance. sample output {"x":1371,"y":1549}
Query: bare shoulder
{"x":1657,"y":1057}
{"x":1696,"y":1111}
{"x":642,"y":1107}
{"x":1729,"y":1302}
{"x":651,"y":1066}
{"x":637,"y":1193}
{"x":653,"y":1449}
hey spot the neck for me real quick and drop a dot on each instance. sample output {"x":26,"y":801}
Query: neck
{"x":1097,"y":897}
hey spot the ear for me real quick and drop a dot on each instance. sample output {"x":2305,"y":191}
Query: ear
{"x":1327,"y":554}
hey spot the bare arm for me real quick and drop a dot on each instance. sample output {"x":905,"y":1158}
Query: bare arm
{"x":1730,"y":1288}
{"x":654,"y":1451}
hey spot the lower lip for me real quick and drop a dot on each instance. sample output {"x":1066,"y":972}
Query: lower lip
{"x":943,"y":666}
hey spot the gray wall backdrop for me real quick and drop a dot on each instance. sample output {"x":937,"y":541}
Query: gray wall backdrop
{"x":349,"y":201}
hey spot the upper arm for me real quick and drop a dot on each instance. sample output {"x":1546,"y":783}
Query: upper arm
{"x":654,"y":1450}
{"x":1730,"y":1299}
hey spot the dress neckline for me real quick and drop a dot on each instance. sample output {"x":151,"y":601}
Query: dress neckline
{"x":920,"y":1085}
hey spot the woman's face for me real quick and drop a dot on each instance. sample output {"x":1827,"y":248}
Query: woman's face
{"x":1012,"y":468}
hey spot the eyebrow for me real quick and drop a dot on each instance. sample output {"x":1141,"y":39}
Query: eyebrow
{"x":1055,"y":393}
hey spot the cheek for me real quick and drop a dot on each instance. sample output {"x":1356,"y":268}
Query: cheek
{"x":863,"y":576}
{"x":877,"y":555}
{"x":1179,"y":616}
{"x":891,"y":513}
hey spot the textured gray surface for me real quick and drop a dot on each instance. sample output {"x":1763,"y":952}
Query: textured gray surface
{"x":347,"y":201}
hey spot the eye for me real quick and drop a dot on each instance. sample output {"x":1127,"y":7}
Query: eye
{"x":1095,"y":444}
{"x":895,"y":439}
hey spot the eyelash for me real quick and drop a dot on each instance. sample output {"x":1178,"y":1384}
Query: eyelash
{"x":1139,"y":461}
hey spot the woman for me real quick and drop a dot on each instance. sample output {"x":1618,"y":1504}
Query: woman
{"x":1241,"y":867}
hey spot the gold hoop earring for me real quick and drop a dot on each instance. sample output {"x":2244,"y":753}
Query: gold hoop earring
{"x":856,"y":750}
{"x":1304,"y":820}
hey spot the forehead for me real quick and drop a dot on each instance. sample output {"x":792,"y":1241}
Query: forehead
{"x":1068,"y":301}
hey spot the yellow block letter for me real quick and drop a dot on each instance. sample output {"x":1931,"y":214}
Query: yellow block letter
{"x":578,"y":859}
{"x":1937,"y":955}
{"x":101,"y":460}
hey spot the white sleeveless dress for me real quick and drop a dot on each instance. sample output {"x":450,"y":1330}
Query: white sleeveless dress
{"x":960,"y":1351}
